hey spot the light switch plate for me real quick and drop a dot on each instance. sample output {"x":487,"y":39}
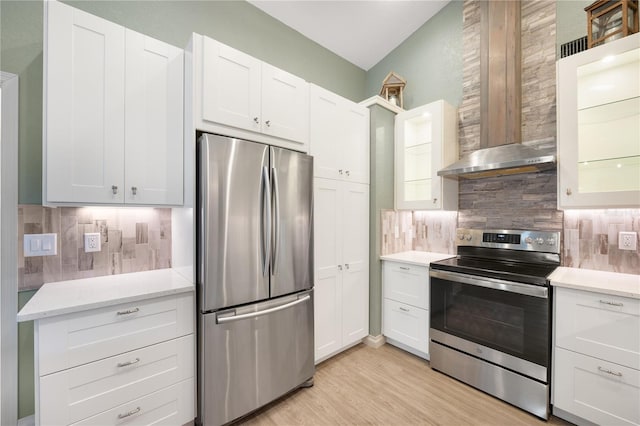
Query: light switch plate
{"x":40,"y":245}
{"x":91,"y":242}
{"x":627,"y":240}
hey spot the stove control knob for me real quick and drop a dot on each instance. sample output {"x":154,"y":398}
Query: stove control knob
{"x":468,"y":237}
{"x":529,"y":240}
{"x":540,"y":240}
{"x":551,"y":241}
{"x":461,"y":237}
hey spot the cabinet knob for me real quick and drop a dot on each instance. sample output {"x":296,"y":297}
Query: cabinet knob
{"x":435,"y":200}
{"x":255,"y":120}
{"x":568,"y":191}
{"x":268,"y":123}
{"x":340,"y":171}
{"x":339,"y":267}
{"x":134,"y":190}
{"x":347,"y":172}
{"x":114,"y":189}
{"x":346,"y":265}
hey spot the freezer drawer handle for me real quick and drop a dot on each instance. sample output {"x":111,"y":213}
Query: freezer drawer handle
{"x":128,"y":311}
{"x":260,"y":313}
{"x":129,"y":413}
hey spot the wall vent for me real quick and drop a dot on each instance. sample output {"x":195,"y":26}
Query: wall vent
{"x":575,"y":46}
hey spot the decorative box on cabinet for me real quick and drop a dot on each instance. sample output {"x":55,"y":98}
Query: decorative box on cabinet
{"x":241,"y":96}
{"x":406,"y":306}
{"x":113,"y":113}
{"x":134,"y":360}
{"x":426,"y":140}
{"x":341,"y":242}
{"x":597,"y":122}
{"x":339,"y":137}
{"x":596,"y":357}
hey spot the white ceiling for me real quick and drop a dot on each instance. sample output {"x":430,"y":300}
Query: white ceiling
{"x":361,"y":31}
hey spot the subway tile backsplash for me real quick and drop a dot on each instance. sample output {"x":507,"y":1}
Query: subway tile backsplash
{"x":132,"y":240}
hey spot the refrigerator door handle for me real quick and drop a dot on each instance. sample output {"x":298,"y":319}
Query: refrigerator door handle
{"x":266,"y":221}
{"x":276,"y":221}
{"x":232,"y":318}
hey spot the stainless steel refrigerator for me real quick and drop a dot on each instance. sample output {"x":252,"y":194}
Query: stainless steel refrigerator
{"x":255,"y":275}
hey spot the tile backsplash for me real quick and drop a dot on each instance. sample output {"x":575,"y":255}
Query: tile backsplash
{"x":591,"y":240}
{"x":132,"y":240}
{"x":405,"y":230}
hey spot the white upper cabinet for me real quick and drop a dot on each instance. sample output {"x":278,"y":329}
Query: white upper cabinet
{"x":426,"y":140}
{"x":110,"y":94}
{"x":598,"y":126}
{"x":249,"y":98}
{"x":339,"y":137}
{"x":153,"y":124}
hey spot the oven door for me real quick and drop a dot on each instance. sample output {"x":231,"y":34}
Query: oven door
{"x":506,"y":323}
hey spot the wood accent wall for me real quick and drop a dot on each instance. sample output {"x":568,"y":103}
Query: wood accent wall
{"x":500,"y":61}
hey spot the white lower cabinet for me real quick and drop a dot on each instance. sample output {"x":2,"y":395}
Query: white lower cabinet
{"x":596,"y":357}
{"x":341,"y":245}
{"x":405,"y":317}
{"x":132,"y":361}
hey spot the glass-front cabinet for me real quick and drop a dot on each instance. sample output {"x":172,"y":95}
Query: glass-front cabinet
{"x":598,"y":125}
{"x":425,"y":141}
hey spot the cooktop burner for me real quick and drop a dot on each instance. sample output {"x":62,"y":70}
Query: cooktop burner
{"x":512,"y":255}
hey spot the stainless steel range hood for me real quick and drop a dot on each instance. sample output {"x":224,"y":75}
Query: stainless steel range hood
{"x":501,"y":160}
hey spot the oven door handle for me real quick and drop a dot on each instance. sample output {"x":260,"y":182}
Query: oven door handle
{"x":510,"y":286}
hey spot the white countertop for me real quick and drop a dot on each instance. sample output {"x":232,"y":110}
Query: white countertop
{"x":64,"y":297}
{"x":613,"y":283}
{"x":421,"y":258}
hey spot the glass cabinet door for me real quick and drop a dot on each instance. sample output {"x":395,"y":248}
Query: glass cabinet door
{"x":599,"y":126}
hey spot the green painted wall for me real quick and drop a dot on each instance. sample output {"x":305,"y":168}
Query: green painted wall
{"x":430,"y":60}
{"x":381,"y":197}
{"x":236,"y":23}
{"x":571,"y":21}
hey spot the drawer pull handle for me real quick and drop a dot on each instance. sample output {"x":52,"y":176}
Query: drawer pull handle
{"x":129,"y":311}
{"x":613,"y":373}
{"x":404,"y":309}
{"x":125,"y":364}
{"x":606,"y":302}
{"x":404,"y":268}
{"x":130,"y":413}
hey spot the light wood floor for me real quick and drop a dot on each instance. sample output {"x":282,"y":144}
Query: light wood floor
{"x":387,"y":386}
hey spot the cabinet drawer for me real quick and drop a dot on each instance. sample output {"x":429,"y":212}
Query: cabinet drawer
{"x":80,"y":392}
{"x":407,"y":324}
{"x":66,"y":341}
{"x":406,"y":283}
{"x":599,"y":325}
{"x":596,"y":390}
{"x":170,"y":406}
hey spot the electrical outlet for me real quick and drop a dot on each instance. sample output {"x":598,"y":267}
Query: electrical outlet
{"x":91,"y":242}
{"x":627,"y":240}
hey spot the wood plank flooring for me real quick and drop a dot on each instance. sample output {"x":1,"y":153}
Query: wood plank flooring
{"x":388,"y":386}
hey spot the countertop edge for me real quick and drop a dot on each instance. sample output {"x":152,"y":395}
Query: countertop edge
{"x":600,"y":290}
{"x":405,"y":257}
{"x":616,"y":284}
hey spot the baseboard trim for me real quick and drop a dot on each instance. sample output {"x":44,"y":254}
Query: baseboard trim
{"x":27,"y":421}
{"x":374,"y":341}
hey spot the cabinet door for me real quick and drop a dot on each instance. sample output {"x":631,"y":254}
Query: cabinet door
{"x":328,"y":256}
{"x":355,"y":286}
{"x":285,"y":105}
{"x":153,"y":128}
{"x":355,"y":150}
{"x":598,"y":133}
{"x":325,"y":129}
{"x":84,"y":99}
{"x":230,"y":86}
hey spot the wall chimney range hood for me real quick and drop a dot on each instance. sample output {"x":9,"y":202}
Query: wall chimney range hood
{"x":501,"y":160}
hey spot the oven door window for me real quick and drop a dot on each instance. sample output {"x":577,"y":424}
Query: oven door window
{"x":509,"y":322}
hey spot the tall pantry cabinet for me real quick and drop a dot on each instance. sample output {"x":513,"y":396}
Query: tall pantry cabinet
{"x":339,"y":142}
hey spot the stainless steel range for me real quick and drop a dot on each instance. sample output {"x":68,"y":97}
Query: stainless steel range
{"x":491,"y":314}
